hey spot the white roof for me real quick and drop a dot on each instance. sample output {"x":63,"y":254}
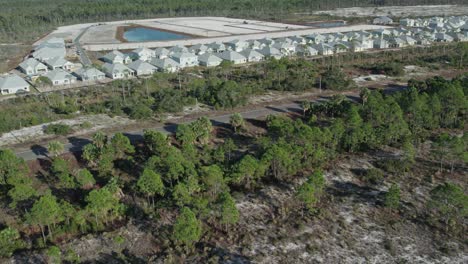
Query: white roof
{"x":12,"y":81}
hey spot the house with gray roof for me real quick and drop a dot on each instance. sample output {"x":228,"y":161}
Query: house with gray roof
{"x":306,"y":51}
{"x":116,"y":57}
{"x":255,"y":44}
{"x":232,"y":56}
{"x":285,"y":48}
{"x":161,"y":53}
{"x":54,"y":47}
{"x":270,"y":52}
{"x":252,"y":55}
{"x":315,"y":38}
{"x":381,"y":43}
{"x":199,"y":49}
{"x":443,"y":37}
{"x":142,"y":68}
{"x":12,"y":84}
{"x":217,"y":47}
{"x":32,"y":66}
{"x":266,"y":42}
{"x":324,"y":49}
{"x":209,"y":60}
{"x":90,"y":74}
{"x":59,"y":63}
{"x":185,"y":59}
{"x":297,"y":40}
{"x":237,"y":45}
{"x":166,"y":65}
{"x":143,"y":54}
{"x":60,"y":77}
{"x":178,"y":49}
{"x":383,"y":20}
{"x":117,"y":71}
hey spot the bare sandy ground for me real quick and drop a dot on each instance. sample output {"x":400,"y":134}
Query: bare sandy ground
{"x":399,"y":11}
{"x":104,"y":32}
{"x":194,"y":41}
{"x":36,"y":133}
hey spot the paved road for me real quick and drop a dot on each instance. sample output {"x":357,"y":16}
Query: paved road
{"x":83,"y":56}
{"x":76,"y":144}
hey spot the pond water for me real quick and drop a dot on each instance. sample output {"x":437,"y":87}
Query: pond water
{"x":140,"y":34}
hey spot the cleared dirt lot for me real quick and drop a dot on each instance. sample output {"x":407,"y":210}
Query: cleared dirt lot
{"x":399,"y":11}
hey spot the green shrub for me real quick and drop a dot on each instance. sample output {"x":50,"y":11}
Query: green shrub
{"x":373,"y":176}
{"x":58,"y":129}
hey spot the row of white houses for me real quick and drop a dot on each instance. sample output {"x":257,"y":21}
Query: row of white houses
{"x":48,"y":59}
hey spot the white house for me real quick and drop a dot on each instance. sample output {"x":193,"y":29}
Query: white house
{"x":407,"y":22}
{"x":178,"y":49}
{"x":324,"y":49}
{"x":237,"y":45}
{"x":409,"y":40}
{"x":232,"y":56}
{"x":59,"y":63}
{"x":199,"y":49}
{"x":397,"y":42}
{"x":217,"y":47}
{"x":90,"y":74}
{"x":117,"y":71}
{"x":381,"y":43}
{"x":316,"y":38}
{"x":270,"y":52}
{"x":115,"y":57}
{"x":383,"y":20}
{"x":161,"y":53}
{"x":266,"y":42}
{"x":442,"y":37}
{"x":12,"y":83}
{"x":166,"y":65}
{"x":252,"y":55}
{"x":255,"y":44}
{"x":285,"y":47}
{"x":54,"y":47}
{"x":142,"y":68}
{"x":143,"y":54}
{"x":306,"y":51}
{"x":33,"y":67}
{"x":60,"y":77}
{"x":185,"y":59}
{"x":209,"y":60}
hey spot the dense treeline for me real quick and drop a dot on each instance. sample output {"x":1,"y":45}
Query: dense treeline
{"x":22,"y":20}
{"x":193,"y":176}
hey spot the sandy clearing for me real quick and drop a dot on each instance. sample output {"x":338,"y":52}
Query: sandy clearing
{"x":36,"y":133}
{"x":400,"y":11}
{"x":206,"y":24}
{"x":189,"y":42}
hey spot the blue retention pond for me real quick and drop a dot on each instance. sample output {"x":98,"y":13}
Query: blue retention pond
{"x":140,"y":34}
